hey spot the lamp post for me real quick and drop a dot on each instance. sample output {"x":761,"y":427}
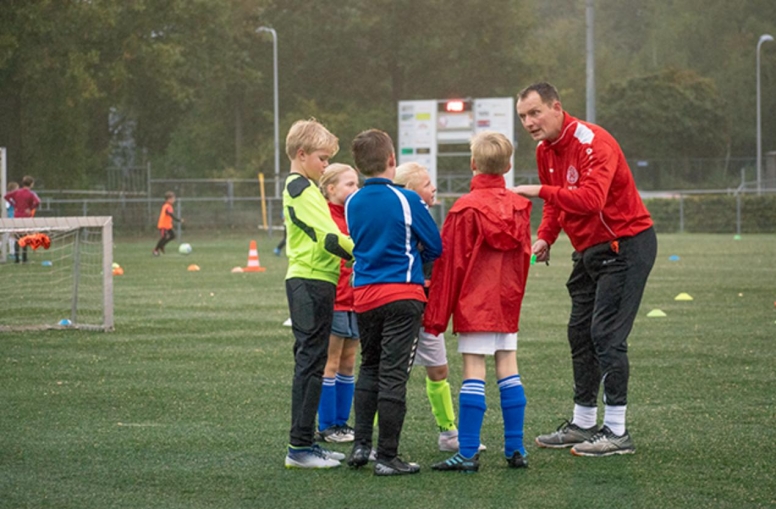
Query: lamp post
{"x":590,"y":71}
{"x":763,"y":38}
{"x":275,"y":92}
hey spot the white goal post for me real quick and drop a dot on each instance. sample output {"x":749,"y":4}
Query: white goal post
{"x":67,"y":285}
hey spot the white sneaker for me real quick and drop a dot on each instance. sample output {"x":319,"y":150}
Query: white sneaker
{"x":310,"y":457}
{"x":287,"y":323}
{"x":336,"y":434}
{"x":448,"y":442}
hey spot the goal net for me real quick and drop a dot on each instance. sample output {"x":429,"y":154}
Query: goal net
{"x":66,"y":280}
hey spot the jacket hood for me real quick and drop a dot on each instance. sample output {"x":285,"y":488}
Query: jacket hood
{"x":501,"y":214}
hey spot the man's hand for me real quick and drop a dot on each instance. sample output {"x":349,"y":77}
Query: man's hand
{"x":540,"y":248}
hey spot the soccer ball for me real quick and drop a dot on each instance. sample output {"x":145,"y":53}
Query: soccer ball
{"x":184,"y":249}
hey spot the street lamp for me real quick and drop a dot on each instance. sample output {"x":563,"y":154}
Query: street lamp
{"x":275,"y":90}
{"x":763,"y":38}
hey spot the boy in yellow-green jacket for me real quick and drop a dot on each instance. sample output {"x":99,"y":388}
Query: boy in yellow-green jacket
{"x":314,"y":248}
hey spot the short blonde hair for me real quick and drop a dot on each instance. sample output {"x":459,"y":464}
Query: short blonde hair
{"x":310,"y":135}
{"x":410,"y":175}
{"x":491,"y":152}
{"x":331,"y":176}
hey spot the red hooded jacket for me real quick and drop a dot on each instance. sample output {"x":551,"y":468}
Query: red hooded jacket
{"x":587,"y":188}
{"x":486,"y":251}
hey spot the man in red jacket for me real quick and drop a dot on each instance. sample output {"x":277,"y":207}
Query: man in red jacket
{"x":589,"y":192}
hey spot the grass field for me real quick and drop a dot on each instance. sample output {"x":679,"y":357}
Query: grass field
{"x":186,"y":404}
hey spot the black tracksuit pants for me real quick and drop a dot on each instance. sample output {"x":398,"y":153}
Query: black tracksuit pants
{"x":606,"y":286}
{"x":389,"y":338}
{"x":165,"y":236}
{"x":311,"y":305}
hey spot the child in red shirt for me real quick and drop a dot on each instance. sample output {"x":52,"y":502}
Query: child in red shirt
{"x":25,"y":202}
{"x":337,"y":183}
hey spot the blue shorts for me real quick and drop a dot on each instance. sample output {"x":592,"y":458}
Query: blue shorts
{"x":345,"y":325}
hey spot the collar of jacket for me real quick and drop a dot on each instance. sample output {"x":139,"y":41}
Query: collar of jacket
{"x":566,"y":133}
{"x":373,"y":181}
{"x":488,"y":181}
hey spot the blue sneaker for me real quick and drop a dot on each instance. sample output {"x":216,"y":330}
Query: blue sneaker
{"x":459,"y":463}
{"x":276,"y":251}
{"x":332,"y":455}
{"x":310,"y":457}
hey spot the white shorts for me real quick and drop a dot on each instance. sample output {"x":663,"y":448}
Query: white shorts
{"x":486,"y":343}
{"x":431,"y":350}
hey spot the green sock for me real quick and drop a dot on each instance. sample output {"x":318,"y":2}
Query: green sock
{"x":441,"y":403}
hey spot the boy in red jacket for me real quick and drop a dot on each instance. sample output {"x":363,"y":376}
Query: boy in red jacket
{"x":480,"y":281}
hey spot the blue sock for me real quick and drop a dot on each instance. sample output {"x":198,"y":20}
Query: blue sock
{"x":471,"y":403}
{"x":346,"y":386}
{"x":327,"y":409}
{"x":513,"y":409}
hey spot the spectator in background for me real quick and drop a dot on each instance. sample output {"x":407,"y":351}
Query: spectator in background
{"x":24,"y":202}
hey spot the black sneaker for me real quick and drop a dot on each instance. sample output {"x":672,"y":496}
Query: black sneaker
{"x":395,"y":466}
{"x":359,"y":456}
{"x":517,"y":461}
{"x":459,"y":463}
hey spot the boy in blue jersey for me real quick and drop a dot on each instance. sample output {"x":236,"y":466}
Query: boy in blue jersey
{"x":388,"y":225}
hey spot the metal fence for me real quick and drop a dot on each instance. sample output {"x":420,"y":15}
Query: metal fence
{"x":134,"y":198}
{"x":729,"y":210}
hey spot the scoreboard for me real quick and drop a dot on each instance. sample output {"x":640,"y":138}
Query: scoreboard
{"x":424,"y":125}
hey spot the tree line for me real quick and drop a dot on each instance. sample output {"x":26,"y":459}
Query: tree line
{"x":187,"y":84}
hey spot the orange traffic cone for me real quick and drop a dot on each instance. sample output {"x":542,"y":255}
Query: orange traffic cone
{"x":253,"y":260}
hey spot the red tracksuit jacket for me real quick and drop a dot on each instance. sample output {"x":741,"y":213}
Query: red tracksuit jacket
{"x":486,"y":251}
{"x":587,"y":188}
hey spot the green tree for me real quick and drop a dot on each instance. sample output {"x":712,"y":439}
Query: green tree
{"x":672,"y":114}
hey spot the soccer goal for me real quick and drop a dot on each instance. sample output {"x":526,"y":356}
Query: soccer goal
{"x":67,"y":279}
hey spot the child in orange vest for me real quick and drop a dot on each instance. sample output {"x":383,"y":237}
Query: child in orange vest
{"x":166,"y":217}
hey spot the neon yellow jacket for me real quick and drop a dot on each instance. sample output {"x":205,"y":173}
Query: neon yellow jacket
{"x":314,"y":241}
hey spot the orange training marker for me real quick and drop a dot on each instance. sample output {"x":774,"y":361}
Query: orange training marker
{"x":253,"y":259}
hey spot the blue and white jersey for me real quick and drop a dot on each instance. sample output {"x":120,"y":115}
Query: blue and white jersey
{"x":388,"y":224}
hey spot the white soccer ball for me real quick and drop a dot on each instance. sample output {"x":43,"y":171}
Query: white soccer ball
{"x":184,"y":249}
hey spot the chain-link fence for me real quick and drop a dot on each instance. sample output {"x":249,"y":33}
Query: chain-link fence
{"x":134,"y":198}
